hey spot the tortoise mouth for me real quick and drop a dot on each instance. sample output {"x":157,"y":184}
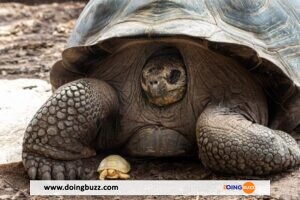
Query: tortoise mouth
{"x":168,"y":98}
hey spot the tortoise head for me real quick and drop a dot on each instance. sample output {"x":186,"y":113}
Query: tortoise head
{"x":164,"y":77}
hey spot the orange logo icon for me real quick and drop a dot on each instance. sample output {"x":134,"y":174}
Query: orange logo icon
{"x":248,"y":187}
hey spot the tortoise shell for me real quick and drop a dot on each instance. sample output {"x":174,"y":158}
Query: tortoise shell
{"x":114,"y":162}
{"x":264,"y":34}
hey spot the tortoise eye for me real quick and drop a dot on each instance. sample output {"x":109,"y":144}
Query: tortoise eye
{"x":151,"y":70}
{"x":174,"y":76}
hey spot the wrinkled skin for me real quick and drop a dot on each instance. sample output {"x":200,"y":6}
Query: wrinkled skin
{"x":218,"y":110}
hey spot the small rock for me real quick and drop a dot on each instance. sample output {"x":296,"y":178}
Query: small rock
{"x":5,"y":197}
{"x":295,"y":197}
{"x":21,"y":54}
{"x":9,"y":189}
{"x":3,"y":73}
{"x":285,"y":197}
{"x":18,"y":195}
{"x":29,"y":87}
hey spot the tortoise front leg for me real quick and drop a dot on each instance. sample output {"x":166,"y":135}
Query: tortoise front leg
{"x":63,"y":130}
{"x":230,"y":143}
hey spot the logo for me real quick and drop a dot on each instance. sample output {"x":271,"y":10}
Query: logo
{"x":247,"y":187}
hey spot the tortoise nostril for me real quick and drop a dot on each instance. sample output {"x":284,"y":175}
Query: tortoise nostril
{"x":174,"y":76}
{"x":153,"y":82}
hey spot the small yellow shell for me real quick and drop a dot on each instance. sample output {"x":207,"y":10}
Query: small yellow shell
{"x":114,"y":162}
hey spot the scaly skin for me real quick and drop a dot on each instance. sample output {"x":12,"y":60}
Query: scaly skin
{"x":230,"y":143}
{"x":62,"y":131}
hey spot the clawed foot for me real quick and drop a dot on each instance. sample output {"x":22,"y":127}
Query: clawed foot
{"x":230,"y":143}
{"x":39,"y":167}
{"x":63,"y":130}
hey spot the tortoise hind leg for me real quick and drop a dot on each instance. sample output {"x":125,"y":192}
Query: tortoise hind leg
{"x":288,"y":114}
{"x":229,"y":143}
{"x":65,"y":127}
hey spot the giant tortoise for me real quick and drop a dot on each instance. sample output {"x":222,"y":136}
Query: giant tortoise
{"x":217,"y":78}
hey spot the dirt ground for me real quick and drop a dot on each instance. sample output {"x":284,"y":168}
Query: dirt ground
{"x":32,"y":37}
{"x":14,"y":182}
